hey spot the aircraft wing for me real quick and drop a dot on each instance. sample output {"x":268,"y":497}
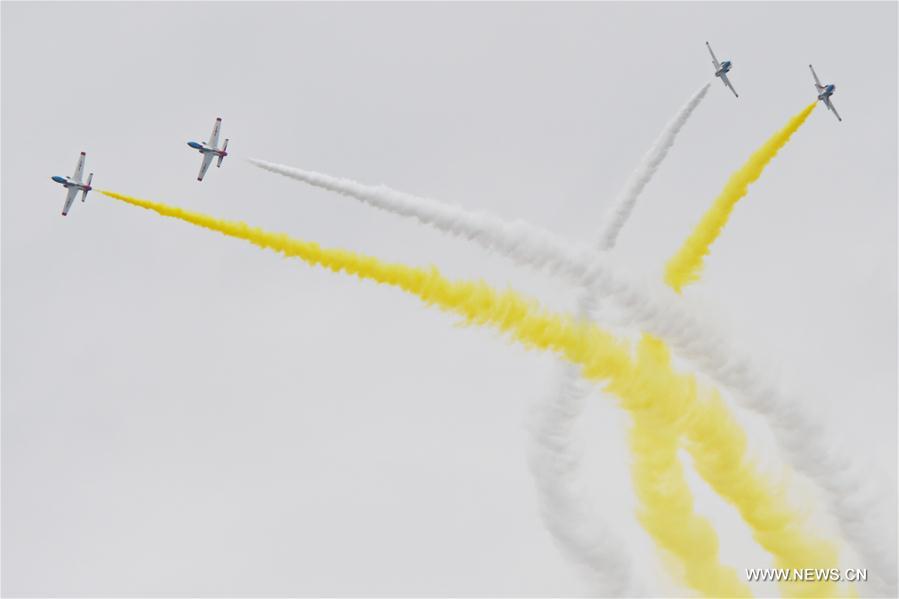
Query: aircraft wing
{"x":815,"y":75}
{"x":79,"y":169}
{"x":714,"y":60}
{"x":207,"y":160}
{"x":831,"y":107}
{"x":70,"y":197}
{"x":214,"y":138}
{"x":727,"y":83}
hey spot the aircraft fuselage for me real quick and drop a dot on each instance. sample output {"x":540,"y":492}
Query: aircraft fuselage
{"x":725,"y":68}
{"x":65,"y":182}
{"x":204,"y":149}
{"x":827,"y":92}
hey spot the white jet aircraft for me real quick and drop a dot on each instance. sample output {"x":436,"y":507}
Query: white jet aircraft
{"x":74,"y":184}
{"x":210,"y":149}
{"x":825,"y":92}
{"x":722,"y":69}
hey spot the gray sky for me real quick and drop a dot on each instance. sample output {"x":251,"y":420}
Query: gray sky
{"x":185,"y":414}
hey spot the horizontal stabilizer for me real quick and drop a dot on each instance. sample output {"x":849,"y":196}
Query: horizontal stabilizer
{"x":223,"y":154}
{"x":90,"y":178}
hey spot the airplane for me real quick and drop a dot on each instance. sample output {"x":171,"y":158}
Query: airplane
{"x":74,"y":184}
{"x":825,"y":92}
{"x":210,"y":149}
{"x":722,"y":69}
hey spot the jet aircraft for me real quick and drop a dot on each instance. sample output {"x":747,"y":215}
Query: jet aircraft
{"x":722,"y":69}
{"x":73,"y":184}
{"x":210,"y":149}
{"x":825,"y":92}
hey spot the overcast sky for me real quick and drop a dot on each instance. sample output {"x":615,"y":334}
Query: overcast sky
{"x":184,"y":414}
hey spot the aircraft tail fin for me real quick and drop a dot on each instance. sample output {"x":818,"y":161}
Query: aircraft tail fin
{"x":222,"y":156}
{"x":90,"y":178}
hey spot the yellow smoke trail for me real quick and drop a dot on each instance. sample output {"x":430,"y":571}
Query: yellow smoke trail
{"x":718,"y":446}
{"x":600,"y":355}
{"x":685,"y":265}
{"x":716,"y":441}
{"x":657,"y":399}
{"x":666,"y":406}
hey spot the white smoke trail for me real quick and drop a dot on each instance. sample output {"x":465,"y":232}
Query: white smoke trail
{"x":554,"y":456}
{"x":800,"y":433}
{"x":523,"y":241}
{"x":569,"y":511}
{"x":627,"y":198}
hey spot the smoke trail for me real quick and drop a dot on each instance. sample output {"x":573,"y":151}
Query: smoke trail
{"x":848,"y":494}
{"x":599,"y":354}
{"x":667,"y":509}
{"x":686,"y":264}
{"x":772,"y":529}
{"x":643,"y":174}
{"x":799,"y":430}
{"x":523,"y":241}
{"x":669,"y":406}
{"x":846,"y":490}
{"x":554,"y":461}
{"x":554,"y":456}
{"x":807,"y":443}
{"x":568,"y":511}
{"x":666,"y":502}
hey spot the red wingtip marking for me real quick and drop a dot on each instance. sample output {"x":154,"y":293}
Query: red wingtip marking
{"x":63,"y":213}
{"x":199,"y":179}
{"x":83,"y":154}
{"x":218,"y":118}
